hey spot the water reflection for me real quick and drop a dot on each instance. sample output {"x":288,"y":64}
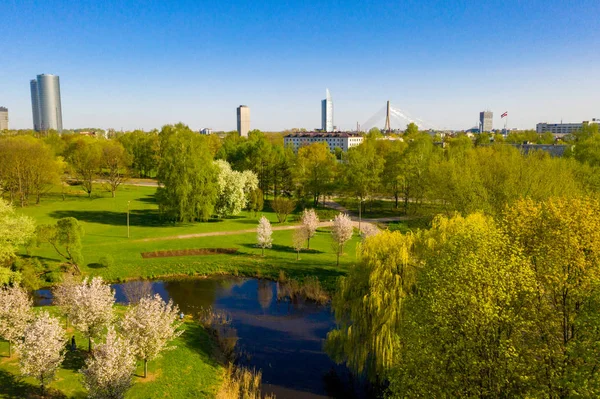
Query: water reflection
{"x":283,"y":339}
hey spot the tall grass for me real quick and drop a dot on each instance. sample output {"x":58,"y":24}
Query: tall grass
{"x":241,"y":383}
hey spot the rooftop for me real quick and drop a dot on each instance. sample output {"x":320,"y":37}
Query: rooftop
{"x":3,"y":109}
{"x":324,"y":134}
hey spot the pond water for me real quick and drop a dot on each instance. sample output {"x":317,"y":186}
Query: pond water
{"x":283,"y":339}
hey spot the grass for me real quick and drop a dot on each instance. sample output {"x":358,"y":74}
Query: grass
{"x":190,"y":370}
{"x":104,"y":220}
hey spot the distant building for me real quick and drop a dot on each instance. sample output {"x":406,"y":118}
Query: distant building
{"x":327,"y":113}
{"x":552,"y":149}
{"x":342,"y":140}
{"x":243,"y":120}
{"x":206,"y":131}
{"x":3,"y":118}
{"x":562,"y":129}
{"x":45,"y":103}
{"x":486,"y":121}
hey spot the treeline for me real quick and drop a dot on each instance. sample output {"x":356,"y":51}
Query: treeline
{"x":479,"y":306}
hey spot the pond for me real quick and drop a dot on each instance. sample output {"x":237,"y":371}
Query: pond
{"x":283,"y":339}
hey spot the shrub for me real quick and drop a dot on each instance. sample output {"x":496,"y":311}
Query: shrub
{"x":107,"y":261}
{"x":283,"y":207}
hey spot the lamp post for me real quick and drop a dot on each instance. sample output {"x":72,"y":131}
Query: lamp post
{"x":128,"y":202}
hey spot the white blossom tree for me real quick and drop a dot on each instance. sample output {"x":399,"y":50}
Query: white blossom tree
{"x":90,"y":307}
{"x":15,"y":230}
{"x":42,"y":348}
{"x":15,"y":314}
{"x":298,"y":239}
{"x":108,"y":373}
{"x":149,"y":326}
{"x":310,"y":222}
{"x":368,"y":230}
{"x":233,"y":189}
{"x":264,"y":234}
{"x":341,"y":232}
{"x":62,"y":295}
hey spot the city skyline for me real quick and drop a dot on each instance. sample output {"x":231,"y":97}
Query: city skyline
{"x":424,"y":65}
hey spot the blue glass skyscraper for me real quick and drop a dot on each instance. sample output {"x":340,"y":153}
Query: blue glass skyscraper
{"x":45,"y":103}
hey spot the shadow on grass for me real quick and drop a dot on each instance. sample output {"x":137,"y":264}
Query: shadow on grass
{"x":285,"y":248}
{"x":196,"y":338}
{"x":142,"y":217}
{"x":74,"y":360}
{"x":96,"y":266}
{"x":41,"y":258}
{"x":149,"y":199}
{"x":12,"y":386}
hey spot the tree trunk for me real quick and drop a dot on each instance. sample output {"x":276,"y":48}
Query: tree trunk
{"x":9,"y":350}
{"x":145,"y":368}
{"x":338,"y":257}
{"x":90,"y":345}
{"x":308,"y":243}
{"x":113,"y":193}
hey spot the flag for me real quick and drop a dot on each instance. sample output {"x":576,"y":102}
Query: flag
{"x":504,"y":114}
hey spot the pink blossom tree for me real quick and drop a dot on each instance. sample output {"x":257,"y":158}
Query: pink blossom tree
{"x":310,"y":222}
{"x":15,"y":314}
{"x":341,"y":232}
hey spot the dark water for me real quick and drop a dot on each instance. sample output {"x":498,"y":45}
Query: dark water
{"x":282,"y":339}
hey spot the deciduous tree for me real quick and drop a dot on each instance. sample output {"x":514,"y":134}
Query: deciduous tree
{"x":310,"y":222}
{"x":15,"y":314}
{"x":65,"y":237}
{"x":108,"y":373}
{"x":283,"y":207}
{"x":42,"y":348}
{"x":15,"y":230}
{"x":115,"y":162}
{"x":149,"y":326}
{"x":341,"y":232}
{"x":264,"y":234}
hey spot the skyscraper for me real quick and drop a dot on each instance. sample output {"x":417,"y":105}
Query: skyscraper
{"x":45,"y":103}
{"x":243,"y":120}
{"x":3,"y":118}
{"x":327,"y":113}
{"x":486,"y":120}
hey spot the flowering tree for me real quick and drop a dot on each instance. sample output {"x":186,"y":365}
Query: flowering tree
{"x":42,"y":348}
{"x":14,"y":231}
{"x":310,"y":222}
{"x":264,"y":234}
{"x":233,"y":189}
{"x":108,"y":373}
{"x":367,"y":230}
{"x":299,"y":238}
{"x":62,"y":295}
{"x":91,"y":307}
{"x":149,"y":326}
{"x":15,"y":314}
{"x":341,"y":233}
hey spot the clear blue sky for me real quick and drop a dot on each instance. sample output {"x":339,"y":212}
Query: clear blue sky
{"x":126,"y":64}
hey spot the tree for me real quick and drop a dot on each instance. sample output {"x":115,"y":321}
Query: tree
{"x":315,"y":169}
{"x":411,"y":130}
{"x":85,"y":157}
{"x":299,"y":237}
{"x":108,"y":373}
{"x":115,"y":162}
{"x":187,"y":175}
{"x":233,"y":189}
{"x":310,"y":222}
{"x":143,"y":149}
{"x":560,"y":238}
{"x":367,"y":230}
{"x":256,"y":201}
{"x":63,"y":295}
{"x":15,"y":230}
{"x":283,"y":207}
{"x":414,"y":167}
{"x":149,"y":326}
{"x":264,"y":234}
{"x":91,"y":307}
{"x":341,"y":232}
{"x":368,"y":304}
{"x":362,"y":171}
{"x":392,"y":170}
{"x":65,"y":237}
{"x":467,"y":328}
{"x":15,"y":314}
{"x":42,"y":348}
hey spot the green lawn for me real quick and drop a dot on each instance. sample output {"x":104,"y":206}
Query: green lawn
{"x":104,"y":220}
{"x":188,"y":371}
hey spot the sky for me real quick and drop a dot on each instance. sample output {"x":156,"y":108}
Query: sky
{"x":143,"y":64}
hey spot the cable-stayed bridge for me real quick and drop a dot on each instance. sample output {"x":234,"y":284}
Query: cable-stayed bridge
{"x":393,"y":118}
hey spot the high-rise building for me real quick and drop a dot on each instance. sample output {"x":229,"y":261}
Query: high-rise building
{"x":243,"y":120}
{"x":3,"y":118}
{"x":486,"y":121}
{"x":45,"y":103}
{"x":327,"y":113}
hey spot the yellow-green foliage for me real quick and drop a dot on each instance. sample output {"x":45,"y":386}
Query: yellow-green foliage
{"x":368,"y":305}
{"x":241,"y":383}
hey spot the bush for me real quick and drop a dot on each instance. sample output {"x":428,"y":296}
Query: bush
{"x":283,"y":207}
{"x":326,"y":214}
{"x":107,"y":261}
